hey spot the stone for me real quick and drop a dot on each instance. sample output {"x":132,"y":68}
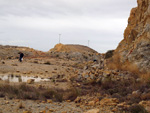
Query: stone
{"x":7,"y":102}
{"x":133,"y":50}
{"x":147,"y":109}
{"x":27,"y":112}
{"x":17,"y":100}
{"x":93,"y":111}
{"x":121,"y":104}
{"x":49,"y":101}
{"x":51,"y":110}
{"x":42,"y":111}
{"x":77,"y":100}
{"x":30,"y":81}
{"x":43,"y":101}
{"x":142,"y":102}
{"x":91,"y":103}
{"x":114,"y":110}
{"x":64,"y":112}
{"x":109,"y":102}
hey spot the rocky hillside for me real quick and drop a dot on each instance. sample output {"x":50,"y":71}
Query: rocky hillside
{"x":11,"y":52}
{"x":74,"y":52}
{"x":72,"y":48}
{"x":135,"y":47}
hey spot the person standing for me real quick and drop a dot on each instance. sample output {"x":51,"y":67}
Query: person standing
{"x":21,"y":57}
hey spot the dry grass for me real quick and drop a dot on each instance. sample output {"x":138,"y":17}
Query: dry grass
{"x":115,"y":63}
{"x":24,"y":91}
{"x":145,"y":78}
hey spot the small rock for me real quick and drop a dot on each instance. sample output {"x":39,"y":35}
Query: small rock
{"x":121,"y":104}
{"x":114,"y":110}
{"x":27,"y":112}
{"x":78,"y":105}
{"x":42,"y":111}
{"x":147,"y":109}
{"x":30,"y":81}
{"x":49,"y":101}
{"x":142,"y":102}
{"x":93,"y":111}
{"x":64,"y":112}
{"x":51,"y":110}
{"x":77,"y":100}
{"x":68,"y":100}
{"x":43,"y":102}
{"x":14,"y":65}
{"x":17,"y":100}
{"x":91,"y":103}
{"x":7,"y":102}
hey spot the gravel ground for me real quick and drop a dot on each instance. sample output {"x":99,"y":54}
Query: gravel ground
{"x":19,"y":106}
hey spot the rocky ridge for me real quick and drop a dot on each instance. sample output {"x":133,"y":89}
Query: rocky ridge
{"x":11,"y":52}
{"x":71,"y":48}
{"x":135,"y":46}
{"x":74,"y":52}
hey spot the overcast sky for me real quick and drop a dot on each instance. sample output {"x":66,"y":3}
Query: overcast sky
{"x":38,"y":23}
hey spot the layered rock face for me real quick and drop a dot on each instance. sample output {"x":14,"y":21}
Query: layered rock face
{"x":135,"y":47}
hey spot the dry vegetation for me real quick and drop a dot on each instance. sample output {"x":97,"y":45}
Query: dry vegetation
{"x":115,"y":63}
{"x":24,"y":91}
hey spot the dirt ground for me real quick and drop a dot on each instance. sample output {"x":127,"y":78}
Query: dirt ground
{"x":45,"y":68}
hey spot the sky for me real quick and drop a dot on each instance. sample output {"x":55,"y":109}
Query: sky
{"x":38,"y":23}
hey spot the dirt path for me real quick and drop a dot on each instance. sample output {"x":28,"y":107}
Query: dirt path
{"x":36,"y":67}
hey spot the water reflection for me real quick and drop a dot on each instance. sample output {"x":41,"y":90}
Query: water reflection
{"x":15,"y":78}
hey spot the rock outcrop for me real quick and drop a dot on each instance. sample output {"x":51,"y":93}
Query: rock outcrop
{"x":74,"y":52}
{"x":72,"y":48}
{"x":135,"y":47}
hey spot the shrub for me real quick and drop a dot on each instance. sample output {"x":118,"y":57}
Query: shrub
{"x":72,"y":94}
{"x":146,"y":78}
{"x":137,"y":109}
{"x":145,"y":96}
{"x":24,"y":91}
{"x":109,"y":54}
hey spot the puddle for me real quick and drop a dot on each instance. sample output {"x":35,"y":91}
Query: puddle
{"x":15,"y":78}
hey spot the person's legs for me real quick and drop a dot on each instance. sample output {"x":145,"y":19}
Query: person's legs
{"x":20,"y":59}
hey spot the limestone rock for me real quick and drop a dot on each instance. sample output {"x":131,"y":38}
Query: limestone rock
{"x":135,"y":46}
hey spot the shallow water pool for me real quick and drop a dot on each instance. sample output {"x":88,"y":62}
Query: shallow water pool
{"x":16,"y":78}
